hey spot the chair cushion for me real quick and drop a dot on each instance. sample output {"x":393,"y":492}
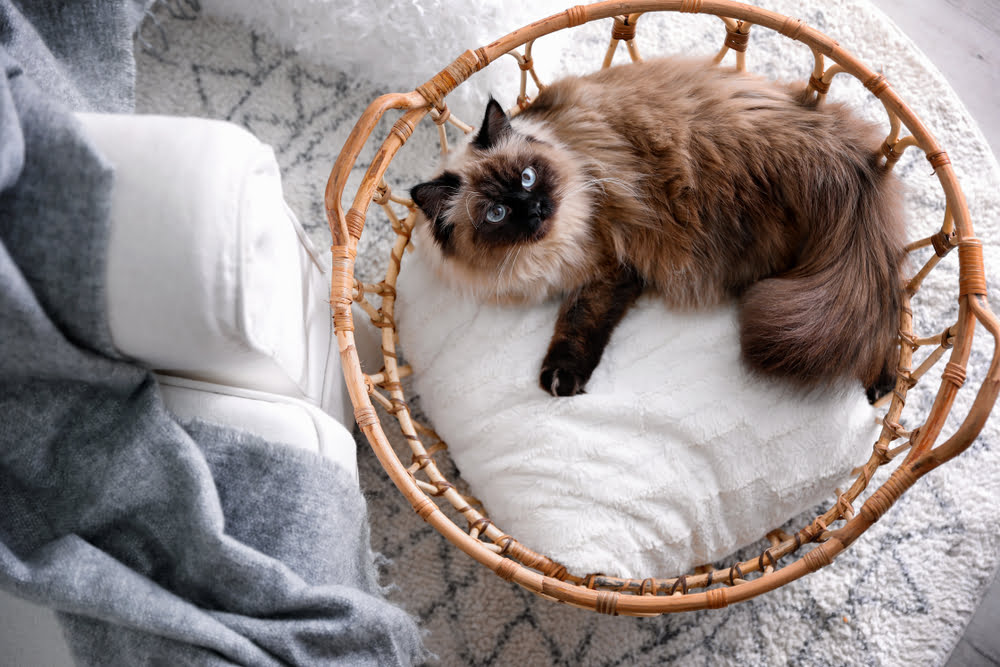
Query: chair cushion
{"x":273,"y":417}
{"x":210,"y":275}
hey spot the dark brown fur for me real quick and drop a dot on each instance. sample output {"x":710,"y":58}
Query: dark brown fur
{"x":702,"y":184}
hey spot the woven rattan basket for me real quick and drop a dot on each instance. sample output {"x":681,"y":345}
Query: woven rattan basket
{"x":911,"y":454}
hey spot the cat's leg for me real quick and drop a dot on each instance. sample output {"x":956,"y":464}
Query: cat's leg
{"x":586,"y":320}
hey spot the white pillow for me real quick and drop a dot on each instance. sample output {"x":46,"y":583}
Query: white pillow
{"x":210,"y":275}
{"x":674,"y":457}
{"x":273,"y":417}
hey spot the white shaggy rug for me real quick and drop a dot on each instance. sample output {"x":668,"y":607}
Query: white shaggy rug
{"x":901,"y":595}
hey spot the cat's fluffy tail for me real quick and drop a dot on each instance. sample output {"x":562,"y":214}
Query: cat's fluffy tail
{"x":837,"y":311}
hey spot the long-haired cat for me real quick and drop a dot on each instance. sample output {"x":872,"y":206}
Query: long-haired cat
{"x":695,"y":181}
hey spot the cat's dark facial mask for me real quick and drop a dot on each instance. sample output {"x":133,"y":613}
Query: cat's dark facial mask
{"x":504,"y":195}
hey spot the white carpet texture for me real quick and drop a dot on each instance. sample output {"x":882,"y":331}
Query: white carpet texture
{"x":901,"y":595}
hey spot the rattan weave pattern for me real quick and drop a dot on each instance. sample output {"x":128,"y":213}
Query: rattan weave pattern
{"x":421,"y":481}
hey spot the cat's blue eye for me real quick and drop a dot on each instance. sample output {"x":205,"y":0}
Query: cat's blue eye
{"x":497,"y":213}
{"x":528,"y":177}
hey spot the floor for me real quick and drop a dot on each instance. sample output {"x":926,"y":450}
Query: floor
{"x":961,"y":37}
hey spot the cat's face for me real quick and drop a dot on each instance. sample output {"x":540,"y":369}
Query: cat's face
{"x":502,"y":211}
{"x":501,"y":193}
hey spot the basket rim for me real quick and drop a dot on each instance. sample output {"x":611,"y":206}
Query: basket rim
{"x":923,"y":456}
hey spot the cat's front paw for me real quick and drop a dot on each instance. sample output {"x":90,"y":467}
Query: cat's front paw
{"x":561,"y":381}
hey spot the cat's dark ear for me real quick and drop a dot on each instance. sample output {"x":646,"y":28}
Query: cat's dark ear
{"x":495,"y":126}
{"x":432,"y":197}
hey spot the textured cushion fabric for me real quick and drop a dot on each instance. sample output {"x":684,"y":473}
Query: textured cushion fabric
{"x":674,"y":457}
{"x":210,"y":275}
{"x":271,"y":417}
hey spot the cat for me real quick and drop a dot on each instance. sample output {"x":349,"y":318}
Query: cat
{"x":695,"y":181}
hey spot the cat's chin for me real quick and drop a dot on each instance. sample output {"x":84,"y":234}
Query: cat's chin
{"x":475,"y":282}
{"x":543,"y":230}
{"x":487,"y":289}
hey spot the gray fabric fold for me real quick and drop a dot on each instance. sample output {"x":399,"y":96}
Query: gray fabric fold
{"x":157,"y":543}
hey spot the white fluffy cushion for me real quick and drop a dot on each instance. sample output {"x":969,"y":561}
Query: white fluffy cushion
{"x":210,"y":275}
{"x":674,"y":457}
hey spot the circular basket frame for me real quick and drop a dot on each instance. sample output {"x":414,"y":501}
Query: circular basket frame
{"x":706,"y":587}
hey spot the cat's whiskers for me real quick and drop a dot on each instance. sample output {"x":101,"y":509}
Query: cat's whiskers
{"x":624,"y":185}
{"x":513,"y":264}
{"x":468,"y":211}
{"x":629,"y":190}
{"x":599,"y":183}
{"x":510,"y":258}
{"x":496,"y":281}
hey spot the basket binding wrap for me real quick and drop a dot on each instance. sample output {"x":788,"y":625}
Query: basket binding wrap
{"x":706,"y":588}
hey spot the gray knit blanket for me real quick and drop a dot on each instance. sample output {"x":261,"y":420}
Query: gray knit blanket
{"x":156,"y":542}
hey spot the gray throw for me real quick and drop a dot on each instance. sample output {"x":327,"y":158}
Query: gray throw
{"x":157,"y":543}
